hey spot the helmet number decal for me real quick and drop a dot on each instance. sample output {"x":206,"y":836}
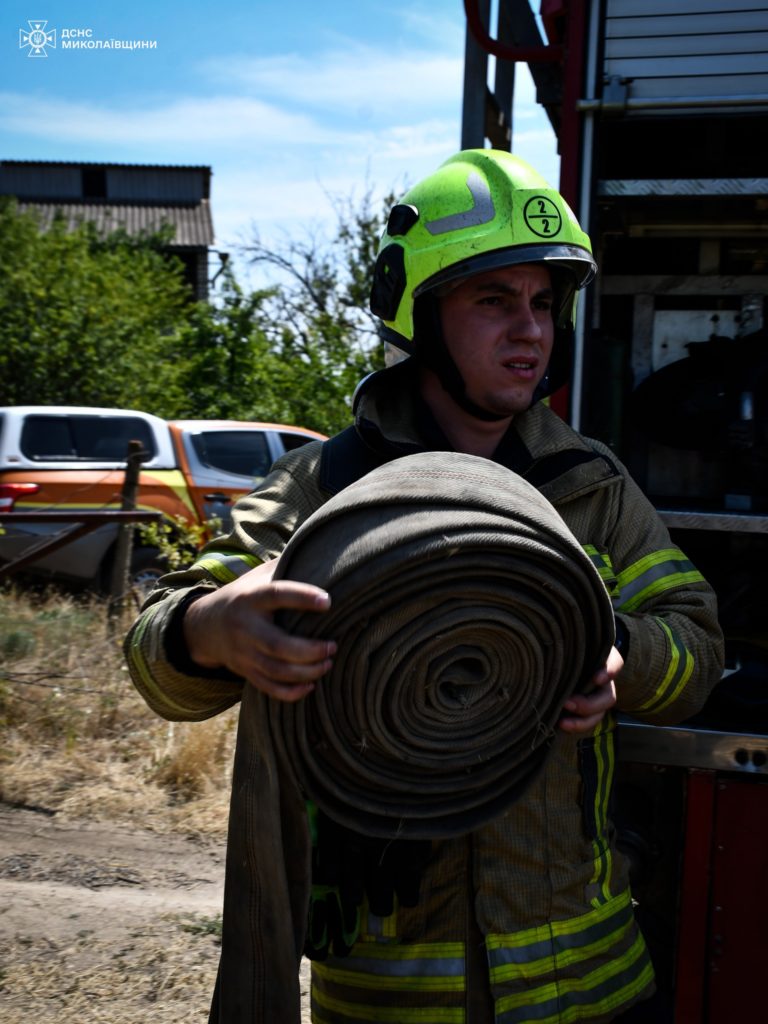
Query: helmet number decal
{"x":542,"y":217}
{"x":480,"y":212}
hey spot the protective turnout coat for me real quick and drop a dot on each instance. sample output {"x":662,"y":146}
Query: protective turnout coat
{"x":526,"y":919}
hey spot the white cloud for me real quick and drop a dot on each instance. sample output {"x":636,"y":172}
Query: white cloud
{"x":334,"y":99}
{"x":281,"y":194}
{"x":358,"y":80}
{"x":204,"y":122}
{"x":442,"y":31}
{"x":285,"y":133}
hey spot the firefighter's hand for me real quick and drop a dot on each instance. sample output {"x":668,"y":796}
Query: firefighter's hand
{"x":234,"y":628}
{"x":586,"y":710}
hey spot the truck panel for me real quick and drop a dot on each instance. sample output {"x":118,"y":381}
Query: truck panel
{"x":659,"y":110}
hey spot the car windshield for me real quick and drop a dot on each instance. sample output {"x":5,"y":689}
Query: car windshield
{"x":242,"y":452}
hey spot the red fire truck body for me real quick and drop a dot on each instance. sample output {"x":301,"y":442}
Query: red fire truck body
{"x":660,"y":112}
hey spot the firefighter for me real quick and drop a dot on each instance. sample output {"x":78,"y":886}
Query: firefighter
{"x":529,"y":917}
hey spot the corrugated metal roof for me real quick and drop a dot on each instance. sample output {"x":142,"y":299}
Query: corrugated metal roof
{"x":192,"y":223}
{"x":42,"y":179}
{"x":103,"y":163}
{"x":58,"y":165}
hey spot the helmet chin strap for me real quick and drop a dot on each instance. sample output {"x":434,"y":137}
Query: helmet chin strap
{"x":459,"y":394}
{"x":431,"y":351}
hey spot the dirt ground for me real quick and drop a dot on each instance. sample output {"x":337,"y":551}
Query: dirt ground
{"x":106,"y":925}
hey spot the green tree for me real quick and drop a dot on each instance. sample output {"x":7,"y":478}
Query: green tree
{"x":86,"y":320}
{"x":322,"y":339}
{"x":81,"y":317}
{"x":223,"y":357}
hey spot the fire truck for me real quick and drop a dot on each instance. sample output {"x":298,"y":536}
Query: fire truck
{"x":660,"y":111}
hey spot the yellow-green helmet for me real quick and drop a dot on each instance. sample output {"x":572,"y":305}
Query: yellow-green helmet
{"x":480,"y":209}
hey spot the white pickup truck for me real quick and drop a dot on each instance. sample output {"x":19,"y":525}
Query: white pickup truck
{"x":72,"y":459}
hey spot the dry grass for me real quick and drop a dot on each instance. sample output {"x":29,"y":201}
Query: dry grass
{"x":147,"y":976}
{"x":78,"y":739}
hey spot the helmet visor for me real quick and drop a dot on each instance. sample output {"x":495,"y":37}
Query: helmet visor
{"x":571,"y":257}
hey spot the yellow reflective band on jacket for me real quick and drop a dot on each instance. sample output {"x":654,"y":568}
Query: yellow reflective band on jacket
{"x":600,"y":751}
{"x":602,"y":562}
{"x":681,"y":664}
{"x":535,"y":975}
{"x":326,"y":1011}
{"x":423,"y":973}
{"x":614,"y":983}
{"x":226,"y":566}
{"x":654,"y":575}
{"x":141,"y":666}
{"x":423,"y":966}
{"x":568,"y":995}
{"x":523,"y":956}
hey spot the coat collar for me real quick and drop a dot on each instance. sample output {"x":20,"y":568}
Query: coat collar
{"x":393,"y":420}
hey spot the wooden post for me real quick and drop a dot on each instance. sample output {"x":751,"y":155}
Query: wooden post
{"x":120,"y":581}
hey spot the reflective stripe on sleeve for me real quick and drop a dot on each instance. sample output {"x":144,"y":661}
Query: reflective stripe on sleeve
{"x":654,"y":575}
{"x":681,"y":663}
{"x":142,"y":668}
{"x":226,"y":566}
{"x":602,"y":562}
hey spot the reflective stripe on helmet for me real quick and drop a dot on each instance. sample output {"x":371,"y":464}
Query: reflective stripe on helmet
{"x":481,"y":212}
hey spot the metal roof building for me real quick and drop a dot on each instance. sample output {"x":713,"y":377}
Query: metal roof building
{"x":139,"y":198}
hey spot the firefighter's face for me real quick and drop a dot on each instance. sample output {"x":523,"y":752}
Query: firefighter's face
{"x":499,"y":331}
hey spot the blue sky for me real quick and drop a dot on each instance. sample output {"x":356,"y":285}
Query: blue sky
{"x":289,"y":102}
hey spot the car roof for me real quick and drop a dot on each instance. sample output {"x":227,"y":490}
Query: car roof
{"x":243,"y":425}
{"x":75,"y":410}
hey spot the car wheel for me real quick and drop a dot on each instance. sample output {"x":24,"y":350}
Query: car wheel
{"x":147,"y":566}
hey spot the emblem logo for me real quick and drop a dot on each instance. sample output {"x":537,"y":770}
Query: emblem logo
{"x":542,"y":217}
{"x":37,"y":39}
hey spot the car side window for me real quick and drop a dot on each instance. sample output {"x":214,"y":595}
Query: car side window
{"x":106,"y":440}
{"x":242,"y":452}
{"x":86,"y":438}
{"x":291,"y":441}
{"x":47,"y":437}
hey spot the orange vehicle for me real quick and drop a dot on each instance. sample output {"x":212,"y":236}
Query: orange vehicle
{"x":72,"y":459}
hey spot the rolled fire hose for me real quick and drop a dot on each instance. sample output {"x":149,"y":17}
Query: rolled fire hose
{"x":466,"y":613}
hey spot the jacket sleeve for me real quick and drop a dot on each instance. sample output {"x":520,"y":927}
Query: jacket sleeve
{"x":171,"y":684}
{"x":675,"y":645}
